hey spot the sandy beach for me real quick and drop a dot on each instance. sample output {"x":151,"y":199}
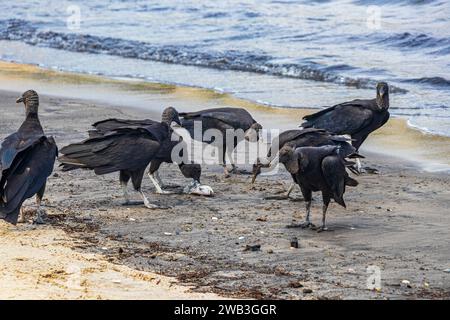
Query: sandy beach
{"x":93,"y":247}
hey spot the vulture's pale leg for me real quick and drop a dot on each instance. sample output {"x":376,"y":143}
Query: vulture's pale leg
{"x":158,"y":178}
{"x":291,"y":187}
{"x":155,"y":182}
{"x":366,"y":169}
{"x":126,"y":195}
{"x":40,"y":212}
{"x":21,"y":218}
{"x":226,"y":173}
{"x":359,"y":167}
{"x":148,"y":204}
{"x":324,"y":215}
{"x":307,"y":223}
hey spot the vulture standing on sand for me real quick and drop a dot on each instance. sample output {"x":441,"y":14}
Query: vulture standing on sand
{"x":357,"y":118}
{"x":223,"y":120}
{"x":189,"y":170}
{"x":302,"y":138}
{"x":128,"y":150}
{"x":319,"y":169}
{"x":27,"y":158}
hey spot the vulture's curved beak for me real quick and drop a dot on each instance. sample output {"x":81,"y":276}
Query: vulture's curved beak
{"x":19,"y":100}
{"x":177,"y":122}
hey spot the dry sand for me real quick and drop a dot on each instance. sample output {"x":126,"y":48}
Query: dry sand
{"x":93,"y":247}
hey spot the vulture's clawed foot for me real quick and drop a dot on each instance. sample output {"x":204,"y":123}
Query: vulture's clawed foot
{"x":307,"y":224}
{"x":152,"y":206}
{"x":226,"y":173}
{"x":323,"y":228}
{"x":40,"y":217}
{"x":130,"y":203}
{"x":303,"y":225}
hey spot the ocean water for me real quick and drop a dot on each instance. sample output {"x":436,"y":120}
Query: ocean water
{"x":297,"y":54}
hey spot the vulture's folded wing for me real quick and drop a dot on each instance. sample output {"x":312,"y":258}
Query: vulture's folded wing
{"x":333,"y":170}
{"x":113,"y":123}
{"x":234,"y":117}
{"x":123,"y":149}
{"x":12,"y":146}
{"x":27,"y":174}
{"x":345,"y":118}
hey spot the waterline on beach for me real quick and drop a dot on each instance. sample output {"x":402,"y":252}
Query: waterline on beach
{"x":430,"y":152}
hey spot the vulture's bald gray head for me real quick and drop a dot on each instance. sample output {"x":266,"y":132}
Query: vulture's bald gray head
{"x":383,"y":95}
{"x":30,"y":99}
{"x":289,"y":158}
{"x":170,"y":115}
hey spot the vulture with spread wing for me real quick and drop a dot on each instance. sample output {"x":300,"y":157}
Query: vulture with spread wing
{"x":128,"y":150}
{"x":27,"y":158}
{"x":164,"y":155}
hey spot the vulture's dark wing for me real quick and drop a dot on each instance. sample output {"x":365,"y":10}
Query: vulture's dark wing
{"x":122,"y":125}
{"x":157,"y":131}
{"x":26,"y":175}
{"x":294,"y":134}
{"x":122,"y":149}
{"x":12,"y":146}
{"x":235,"y":117}
{"x":335,"y":175}
{"x":112,"y":124}
{"x":311,"y":156}
{"x":345,"y":118}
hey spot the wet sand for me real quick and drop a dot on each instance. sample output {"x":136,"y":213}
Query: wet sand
{"x":397,"y":220}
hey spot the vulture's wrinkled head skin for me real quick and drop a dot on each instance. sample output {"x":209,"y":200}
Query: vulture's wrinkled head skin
{"x":170,"y":115}
{"x":30,"y":99}
{"x":383,"y":95}
{"x":289,"y":158}
{"x":252,"y":134}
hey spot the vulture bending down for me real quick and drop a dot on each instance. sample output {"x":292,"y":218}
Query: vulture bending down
{"x":189,"y":170}
{"x":27,"y":158}
{"x":128,"y":150}
{"x":302,"y":138}
{"x":222,"y":120}
{"x":357,"y":118}
{"x":319,"y":169}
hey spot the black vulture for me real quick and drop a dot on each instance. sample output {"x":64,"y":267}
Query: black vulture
{"x":27,"y":158}
{"x":319,"y":169}
{"x":357,"y":118}
{"x":234,"y":123}
{"x":128,"y":150}
{"x":301,"y":138}
{"x":189,"y":170}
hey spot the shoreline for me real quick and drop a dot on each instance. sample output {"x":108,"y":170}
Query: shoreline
{"x":396,"y":220}
{"x":429,"y":152}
